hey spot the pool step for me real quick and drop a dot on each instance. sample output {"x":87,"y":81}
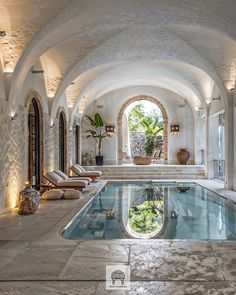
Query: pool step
{"x":150,"y":172}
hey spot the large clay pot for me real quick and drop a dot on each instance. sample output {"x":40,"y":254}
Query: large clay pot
{"x":28,"y":201}
{"x":183,"y":156}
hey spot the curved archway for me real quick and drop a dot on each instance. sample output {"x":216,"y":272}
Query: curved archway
{"x":62,"y":141}
{"x":120,"y":124}
{"x":36,"y":142}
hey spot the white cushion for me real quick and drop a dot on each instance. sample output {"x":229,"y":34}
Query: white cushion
{"x":61,"y":174}
{"x":53,"y":177}
{"x":73,"y":183}
{"x":71,"y":194}
{"x":75,"y":169}
{"x":54,"y":194}
{"x":91,"y":173}
{"x":80,"y":167}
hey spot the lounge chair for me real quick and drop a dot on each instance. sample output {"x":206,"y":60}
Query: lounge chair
{"x":80,"y":171}
{"x":58,"y":182}
{"x":67,"y":177}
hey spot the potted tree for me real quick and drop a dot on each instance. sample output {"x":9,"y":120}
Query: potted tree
{"x":98,"y":134}
{"x":152,"y":127}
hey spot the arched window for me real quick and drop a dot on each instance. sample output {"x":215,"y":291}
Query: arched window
{"x":62,"y":142}
{"x":35,"y":119}
{"x":77,"y":144}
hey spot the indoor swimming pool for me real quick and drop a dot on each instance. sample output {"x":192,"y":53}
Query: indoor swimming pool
{"x":144,"y":210}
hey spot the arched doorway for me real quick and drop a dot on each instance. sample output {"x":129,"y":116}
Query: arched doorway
{"x":36,"y":157}
{"x":77,"y":144}
{"x":120,"y":124}
{"x":62,"y":142}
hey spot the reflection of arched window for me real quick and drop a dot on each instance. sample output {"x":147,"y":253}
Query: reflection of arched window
{"x":62,"y":142}
{"x":35,"y":169}
{"x":77,"y":144}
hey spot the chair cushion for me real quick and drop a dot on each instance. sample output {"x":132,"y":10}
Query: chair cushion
{"x":71,"y":194}
{"x":72,"y":183}
{"x":54,"y":194}
{"x":80,"y":167}
{"x":53,"y":177}
{"x":91,"y":173}
{"x":76,"y":169}
{"x":61,"y":174}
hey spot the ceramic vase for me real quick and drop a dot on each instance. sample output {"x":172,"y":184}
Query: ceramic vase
{"x":183,"y":156}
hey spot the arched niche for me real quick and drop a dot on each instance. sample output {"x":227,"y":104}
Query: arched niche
{"x":120,"y":124}
{"x":35,"y":140}
{"x":62,"y":140}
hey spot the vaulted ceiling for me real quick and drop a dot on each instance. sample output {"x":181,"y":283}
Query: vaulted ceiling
{"x":88,"y":48}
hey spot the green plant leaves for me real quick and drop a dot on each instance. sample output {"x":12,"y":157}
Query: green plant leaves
{"x":98,"y":120}
{"x":97,"y":134}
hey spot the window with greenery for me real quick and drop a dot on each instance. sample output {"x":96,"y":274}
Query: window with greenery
{"x":146,"y":117}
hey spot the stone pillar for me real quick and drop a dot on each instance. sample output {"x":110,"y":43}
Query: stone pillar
{"x":208,"y":160}
{"x":120,"y":141}
{"x":230,"y":122}
{"x":234,"y":126}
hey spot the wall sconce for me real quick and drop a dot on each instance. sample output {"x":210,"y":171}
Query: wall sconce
{"x":110,"y":128}
{"x":216,"y":98}
{"x":174,"y":129}
{"x":14,"y":117}
{"x":3,"y":33}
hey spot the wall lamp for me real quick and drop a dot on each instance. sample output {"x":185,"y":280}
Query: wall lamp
{"x":110,"y":128}
{"x":14,"y":117}
{"x":174,"y":129}
{"x":3,"y":33}
{"x":216,"y":98}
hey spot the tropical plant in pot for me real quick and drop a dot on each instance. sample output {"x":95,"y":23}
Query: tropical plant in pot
{"x":98,"y":134}
{"x":152,"y":128}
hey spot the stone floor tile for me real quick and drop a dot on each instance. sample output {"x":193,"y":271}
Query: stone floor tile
{"x":181,"y":288}
{"x":76,"y":270}
{"x":37,"y":263}
{"x":225,"y":253}
{"x":172,"y":288}
{"x":48,"y":288}
{"x":185,"y":261}
{"x":96,"y":253}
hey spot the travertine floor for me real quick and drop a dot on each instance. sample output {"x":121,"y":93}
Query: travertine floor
{"x":35,"y":259}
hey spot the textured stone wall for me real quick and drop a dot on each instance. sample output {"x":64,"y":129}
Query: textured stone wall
{"x":14,"y":152}
{"x":13,"y":155}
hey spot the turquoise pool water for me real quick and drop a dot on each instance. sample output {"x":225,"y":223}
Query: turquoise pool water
{"x":154,"y":210}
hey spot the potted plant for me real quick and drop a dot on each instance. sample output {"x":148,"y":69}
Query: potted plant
{"x":98,"y":134}
{"x":152,"y":127}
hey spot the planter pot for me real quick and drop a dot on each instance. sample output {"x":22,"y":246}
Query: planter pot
{"x":99,"y":160}
{"x":141,"y":160}
{"x":183,"y":156}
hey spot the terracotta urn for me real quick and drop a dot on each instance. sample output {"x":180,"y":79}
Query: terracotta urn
{"x":183,"y":156}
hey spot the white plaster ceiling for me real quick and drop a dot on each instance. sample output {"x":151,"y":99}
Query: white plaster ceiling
{"x":86,"y":49}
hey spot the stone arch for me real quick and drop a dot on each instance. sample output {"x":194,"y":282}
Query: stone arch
{"x":35,"y":98}
{"x":62,"y":115}
{"x":120,"y":124}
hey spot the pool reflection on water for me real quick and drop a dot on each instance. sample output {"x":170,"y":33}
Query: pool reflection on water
{"x":155,"y":210}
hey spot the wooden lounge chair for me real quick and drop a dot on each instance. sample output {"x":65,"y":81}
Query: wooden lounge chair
{"x":58,"y":182}
{"x":157,"y":155}
{"x":67,"y":177}
{"x":80,"y":171}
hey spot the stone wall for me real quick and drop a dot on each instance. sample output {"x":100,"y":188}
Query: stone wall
{"x":14,"y":152}
{"x":13,"y":155}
